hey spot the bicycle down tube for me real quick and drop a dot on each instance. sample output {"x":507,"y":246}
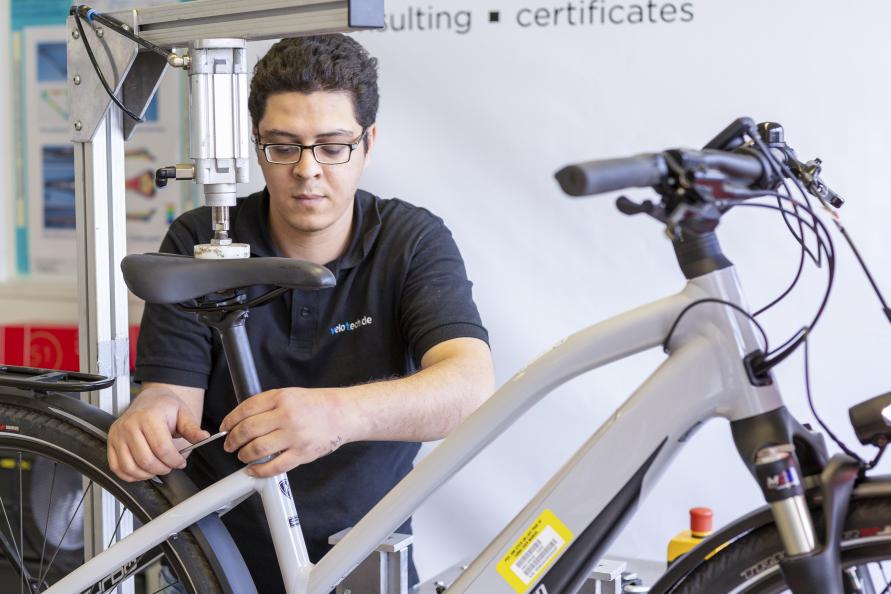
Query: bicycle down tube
{"x":703,"y":377}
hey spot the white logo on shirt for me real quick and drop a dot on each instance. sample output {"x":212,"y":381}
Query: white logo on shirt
{"x":350,"y":326}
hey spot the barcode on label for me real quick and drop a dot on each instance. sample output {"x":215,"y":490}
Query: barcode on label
{"x":539,"y":554}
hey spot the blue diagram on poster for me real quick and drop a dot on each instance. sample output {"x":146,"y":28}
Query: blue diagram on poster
{"x":52,"y":63}
{"x":151,"y":112}
{"x":58,"y":187}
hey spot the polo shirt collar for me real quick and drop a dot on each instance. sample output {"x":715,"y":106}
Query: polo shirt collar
{"x":252,"y":226}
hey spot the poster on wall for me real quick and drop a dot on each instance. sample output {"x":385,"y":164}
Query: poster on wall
{"x":46,"y":222}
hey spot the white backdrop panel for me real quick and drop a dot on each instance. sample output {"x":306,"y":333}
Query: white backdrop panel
{"x":476,"y":117}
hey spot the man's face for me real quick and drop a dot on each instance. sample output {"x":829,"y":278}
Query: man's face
{"x":309,"y":197}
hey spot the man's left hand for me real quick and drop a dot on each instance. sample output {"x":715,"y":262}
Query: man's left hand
{"x":298,"y":424}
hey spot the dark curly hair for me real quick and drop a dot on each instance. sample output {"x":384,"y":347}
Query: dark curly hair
{"x":317,"y":63}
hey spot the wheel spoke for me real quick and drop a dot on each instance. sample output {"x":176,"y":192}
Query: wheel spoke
{"x":11,"y":533}
{"x":62,"y":538}
{"x":49,"y":512}
{"x":170,"y":585}
{"x":116,"y":526}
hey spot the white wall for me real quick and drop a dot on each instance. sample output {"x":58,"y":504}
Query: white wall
{"x":473,"y":126}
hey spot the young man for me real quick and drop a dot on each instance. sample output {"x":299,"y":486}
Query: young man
{"x":356,"y":375}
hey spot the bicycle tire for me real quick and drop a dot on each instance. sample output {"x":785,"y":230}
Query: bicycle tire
{"x":27,"y":434}
{"x":750,"y":564}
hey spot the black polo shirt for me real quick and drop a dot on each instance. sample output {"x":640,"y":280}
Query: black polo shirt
{"x":401,"y":289}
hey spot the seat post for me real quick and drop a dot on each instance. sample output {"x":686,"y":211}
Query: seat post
{"x":237,"y":348}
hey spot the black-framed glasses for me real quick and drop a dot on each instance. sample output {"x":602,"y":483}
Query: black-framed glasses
{"x":325,"y":153}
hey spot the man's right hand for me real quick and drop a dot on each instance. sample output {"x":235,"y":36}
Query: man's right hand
{"x":141,"y":442}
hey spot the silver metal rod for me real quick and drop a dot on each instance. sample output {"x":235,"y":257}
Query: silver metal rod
{"x":794,"y":524}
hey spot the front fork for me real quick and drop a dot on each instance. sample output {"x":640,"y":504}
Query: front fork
{"x":790,"y":464}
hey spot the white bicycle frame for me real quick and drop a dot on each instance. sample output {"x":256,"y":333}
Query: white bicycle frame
{"x":702,"y":377}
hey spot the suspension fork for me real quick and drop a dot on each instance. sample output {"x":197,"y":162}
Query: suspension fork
{"x":790,"y":464}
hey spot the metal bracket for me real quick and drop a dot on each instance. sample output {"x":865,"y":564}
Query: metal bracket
{"x":140,"y":86}
{"x":385,"y":571}
{"x":114,"y":357}
{"x":605,"y":578}
{"x":115,"y":55}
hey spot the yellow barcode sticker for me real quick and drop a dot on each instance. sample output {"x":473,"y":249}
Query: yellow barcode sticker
{"x":534,"y":552}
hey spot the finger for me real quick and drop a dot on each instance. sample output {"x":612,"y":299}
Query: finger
{"x":130,"y":472}
{"x":143,"y":457}
{"x":113,"y":462}
{"x":252,"y":406}
{"x":159,"y":439}
{"x":187,"y":427}
{"x":280,"y":464}
{"x":266,"y":445}
{"x":250,"y":429}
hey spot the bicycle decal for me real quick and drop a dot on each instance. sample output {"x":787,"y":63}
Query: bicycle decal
{"x":762,"y":565}
{"x":534,"y":552}
{"x":14,"y":428}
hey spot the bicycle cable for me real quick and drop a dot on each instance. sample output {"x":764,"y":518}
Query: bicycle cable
{"x":810,"y":400}
{"x":730,"y":304}
{"x":824,"y":245}
{"x":123,"y":108}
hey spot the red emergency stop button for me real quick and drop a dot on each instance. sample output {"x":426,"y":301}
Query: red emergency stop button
{"x":701,"y":521}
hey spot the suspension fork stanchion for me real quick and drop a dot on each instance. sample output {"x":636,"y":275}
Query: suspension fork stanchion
{"x":780,"y":480}
{"x":775,"y":448}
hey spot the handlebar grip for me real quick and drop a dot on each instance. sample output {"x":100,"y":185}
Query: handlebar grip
{"x":596,"y":177}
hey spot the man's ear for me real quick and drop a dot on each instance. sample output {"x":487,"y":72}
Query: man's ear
{"x":370,"y":138}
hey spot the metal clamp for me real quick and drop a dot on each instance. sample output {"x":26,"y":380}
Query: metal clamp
{"x":385,"y":571}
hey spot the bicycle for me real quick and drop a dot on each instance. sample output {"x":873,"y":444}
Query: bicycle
{"x":827,"y":526}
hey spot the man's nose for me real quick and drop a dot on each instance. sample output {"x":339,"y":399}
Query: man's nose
{"x":307,"y":167}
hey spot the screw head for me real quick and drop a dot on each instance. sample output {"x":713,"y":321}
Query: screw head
{"x":100,"y":32}
{"x":76,"y":79}
{"x":78,"y":125}
{"x":75,"y":34}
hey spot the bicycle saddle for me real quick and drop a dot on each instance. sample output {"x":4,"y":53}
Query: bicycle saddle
{"x":170,"y":278}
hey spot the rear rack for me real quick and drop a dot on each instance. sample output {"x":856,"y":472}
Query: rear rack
{"x":41,"y":380}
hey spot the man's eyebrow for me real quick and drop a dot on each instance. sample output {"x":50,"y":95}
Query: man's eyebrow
{"x":296,"y":137}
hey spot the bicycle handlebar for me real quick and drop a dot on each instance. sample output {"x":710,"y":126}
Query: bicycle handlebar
{"x":650,"y":169}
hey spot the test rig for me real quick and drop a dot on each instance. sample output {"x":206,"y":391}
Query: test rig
{"x":115,"y":64}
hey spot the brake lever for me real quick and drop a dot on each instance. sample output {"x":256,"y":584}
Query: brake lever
{"x":630,"y":207}
{"x":809,"y":175}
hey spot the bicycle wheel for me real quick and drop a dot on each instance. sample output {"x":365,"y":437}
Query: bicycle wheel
{"x":49,"y":468}
{"x":751,"y":563}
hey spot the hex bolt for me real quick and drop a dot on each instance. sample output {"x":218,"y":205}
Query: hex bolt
{"x":76,"y":79}
{"x":100,"y":32}
{"x":78,"y":126}
{"x":75,"y":34}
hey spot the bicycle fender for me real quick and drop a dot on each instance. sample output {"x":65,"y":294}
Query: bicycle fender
{"x":867,"y":488}
{"x":209,"y":532}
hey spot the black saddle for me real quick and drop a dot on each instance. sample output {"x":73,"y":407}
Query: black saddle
{"x":169,"y":278}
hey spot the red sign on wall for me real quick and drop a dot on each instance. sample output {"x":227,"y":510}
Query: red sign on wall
{"x":51,"y":347}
